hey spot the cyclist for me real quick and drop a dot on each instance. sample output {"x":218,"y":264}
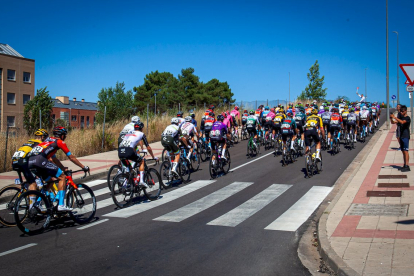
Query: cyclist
{"x":188,"y":130}
{"x":334,"y":124}
{"x":308,"y":110}
{"x":193,"y":120}
{"x":268,"y":123}
{"x":180,"y":118}
{"x":128,"y":128}
{"x":128,"y":150}
{"x":236,"y":119}
{"x":326,"y":119}
{"x":352,"y":123}
{"x":364,"y":117}
{"x":300,"y":119}
{"x":258,"y":114}
{"x":218,"y":135}
{"x":208,"y":125}
{"x":344,"y":115}
{"x":252,"y":121}
{"x":20,"y":160}
{"x":289,"y":129}
{"x":277,"y":122}
{"x":39,"y":162}
{"x":170,"y":139}
{"x":244,"y":117}
{"x":313,"y":126}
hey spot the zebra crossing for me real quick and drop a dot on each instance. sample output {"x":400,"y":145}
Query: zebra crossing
{"x":289,"y":221}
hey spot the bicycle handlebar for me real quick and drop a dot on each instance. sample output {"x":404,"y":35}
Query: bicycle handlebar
{"x":70,"y":172}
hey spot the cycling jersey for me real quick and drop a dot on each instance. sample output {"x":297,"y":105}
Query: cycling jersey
{"x":270,"y":116}
{"x":313,"y":122}
{"x":252,"y":120}
{"x":279,"y":119}
{"x":235,"y":113}
{"x":345,"y":116}
{"x":128,"y":128}
{"x":300,"y":118}
{"x":227,"y":121}
{"x":264,"y":113}
{"x":131,"y":140}
{"x":20,"y":162}
{"x":364,"y":115}
{"x":374,"y":111}
{"x":181,"y":121}
{"x":326,"y":117}
{"x":336,"y":119}
{"x":352,"y":118}
{"x":49,"y":147}
{"x":258,"y":113}
{"x":171,"y":131}
{"x":244,"y":118}
{"x":188,"y":129}
{"x":208,"y":123}
{"x":169,"y":138}
{"x":194,"y":122}
{"x":218,"y":132}
{"x":25,"y":149}
{"x":288,"y":125}
{"x":207,"y":112}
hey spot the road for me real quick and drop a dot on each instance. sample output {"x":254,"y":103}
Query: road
{"x":248,"y":222}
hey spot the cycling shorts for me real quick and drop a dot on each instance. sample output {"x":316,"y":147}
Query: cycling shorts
{"x":286,"y":135}
{"x":301,"y":129}
{"x":22,"y":166}
{"x":252,"y":131}
{"x":333,"y":128}
{"x":310,"y":134}
{"x":127,"y":153}
{"x":170,"y":144}
{"x":215,"y":144}
{"x":43,"y":168}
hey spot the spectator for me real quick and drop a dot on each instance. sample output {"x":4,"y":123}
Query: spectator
{"x":362,"y":97}
{"x":404,"y":123}
{"x":398,"y":131}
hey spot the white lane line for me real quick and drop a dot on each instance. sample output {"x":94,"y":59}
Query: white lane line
{"x":296,"y":215}
{"x":251,"y":161}
{"x":250,"y":207}
{"x":17,"y":249}
{"x":90,"y":184}
{"x":92,"y":224}
{"x":204,"y":203}
{"x":144,"y":206}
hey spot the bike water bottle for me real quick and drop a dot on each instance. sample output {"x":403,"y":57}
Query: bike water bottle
{"x":39,"y":183}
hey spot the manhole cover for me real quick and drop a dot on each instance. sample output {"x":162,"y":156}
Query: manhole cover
{"x":391,"y":210}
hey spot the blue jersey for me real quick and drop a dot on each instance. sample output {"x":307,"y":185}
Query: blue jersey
{"x":194,"y":122}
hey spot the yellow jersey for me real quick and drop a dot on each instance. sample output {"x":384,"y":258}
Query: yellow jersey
{"x":314,"y":121}
{"x":25,"y":149}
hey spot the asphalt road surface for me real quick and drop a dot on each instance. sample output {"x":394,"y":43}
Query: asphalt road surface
{"x":247,"y":222}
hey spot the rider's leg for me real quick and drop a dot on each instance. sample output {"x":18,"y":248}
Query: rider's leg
{"x":293,"y":142}
{"x":141,"y":173}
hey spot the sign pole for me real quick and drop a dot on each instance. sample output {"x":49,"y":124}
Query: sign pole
{"x":411,"y":104}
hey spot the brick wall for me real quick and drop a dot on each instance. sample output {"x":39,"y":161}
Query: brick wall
{"x":75,"y":116}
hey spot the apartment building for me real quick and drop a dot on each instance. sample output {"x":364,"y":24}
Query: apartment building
{"x":77,"y":114}
{"x":17,"y":82}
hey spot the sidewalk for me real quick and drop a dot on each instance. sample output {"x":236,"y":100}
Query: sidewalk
{"x":368,"y":229}
{"x":98,"y":163}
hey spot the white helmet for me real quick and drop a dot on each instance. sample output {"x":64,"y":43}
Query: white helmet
{"x":175,"y":121}
{"x":135,"y":119}
{"x":188,"y":119}
{"x":364,"y":107}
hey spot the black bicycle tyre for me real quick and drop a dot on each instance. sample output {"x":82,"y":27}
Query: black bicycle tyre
{"x":33,"y":213}
{"x":195,"y":160}
{"x":213,"y":169}
{"x":151,"y":177}
{"x":308,"y":165}
{"x":75,"y":198}
{"x":226,"y":164}
{"x":119,"y":188}
{"x":184,"y":171}
{"x":10,"y":194}
{"x":111,"y":176}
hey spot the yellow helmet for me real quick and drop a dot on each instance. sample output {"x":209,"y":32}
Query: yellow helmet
{"x":41,"y":132}
{"x":314,"y":111}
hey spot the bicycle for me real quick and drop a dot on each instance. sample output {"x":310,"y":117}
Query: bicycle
{"x":219,"y":164}
{"x":125,"y":185}
{"x":278,"y":143}
{"x":244,"y":133}
{"x":78,"y":196}
{"x":251,"y":148}
{"x":288,"y":156}
{"x":312,"y":165}
{"x":113,"y":172}
{"x":268,"y":140}
{"x":336,"y":146}
{"x":234,"y":136}
{"x":204,"y":149}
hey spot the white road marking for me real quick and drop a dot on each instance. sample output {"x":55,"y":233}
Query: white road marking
{"x":296,"y":215}
{"x":17,"y":249}
{"x":93,"y":224}
{"x":250,"y":207}
{"x":90,"y":184}
{"x":251,"y":161}
{"x":146,"y":205}
{"x":204,"y":203}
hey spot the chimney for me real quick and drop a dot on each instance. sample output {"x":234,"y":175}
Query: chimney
{"x":63,"y":99}
{"x":83,"y":100}
{"x":74,"y":99}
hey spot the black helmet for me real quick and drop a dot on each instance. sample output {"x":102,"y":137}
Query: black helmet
{"x":220,"y":118}
{"x":139,"y":126}
{"x":180,"y":114}
{"x":59,"y":131}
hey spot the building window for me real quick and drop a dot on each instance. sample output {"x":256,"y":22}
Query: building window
{"x":26,"y":98}
{"x":74,"y":119}
{"x":11,"y":98}
{"x":64,"y":116}
{"x":11,"y":75}
{"x":11,"y":121}
{"x":53,"y":117}
{"x":87,"y":121}
{"x":27,"y":77}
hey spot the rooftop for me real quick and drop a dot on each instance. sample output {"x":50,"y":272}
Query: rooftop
{"x":8,"y":50}
{"x":76,"y":105}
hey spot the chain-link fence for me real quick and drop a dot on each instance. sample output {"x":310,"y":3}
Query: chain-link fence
{"x":254,"y":104}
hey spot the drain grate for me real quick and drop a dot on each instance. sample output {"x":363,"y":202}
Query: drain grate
{"x":384,"y":194}
{"x":393,"y":185}
{"x":392,"y":176}
{"x":390,"y":210}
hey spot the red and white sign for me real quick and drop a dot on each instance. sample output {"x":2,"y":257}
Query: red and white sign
{"x":408,"y":70}
{"x":407,"y":82}
{"x":410,"y":88}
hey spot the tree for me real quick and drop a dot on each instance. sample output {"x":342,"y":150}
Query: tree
{"x":189,"y":84}
{"x":314,"y":90}
{"x":340,"y":98}
{"x":216,"y":93}
{"x":119,"y":104}
{"x":41,"y":102}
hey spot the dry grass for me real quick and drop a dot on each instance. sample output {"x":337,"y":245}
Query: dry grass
{"x":83,"y":142}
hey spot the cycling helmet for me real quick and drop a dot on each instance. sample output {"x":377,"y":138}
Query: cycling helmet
{"x":228,"y":113}
{"x":282,"y":111}
{"x":41,"y":132}
{"x":326,"y":108}
{"x":180,"y":114}
{"x":245,"y":111}
{"x":192,"y":115}
{"x":220,"y":118}
{"x":351,"y":109}
{"x":175,"y":121}
{"x":272,"y":110}
{"x":335,"y":110}
{"x":59,"y":131}
{"x":188,"y":119}
{"x":211,"y":107}
{"x":364,"y":107}
{"x":306,"y":105}
{"x":139,"y":126}
{"x":211,"y":114}
{"x":289,"y":112}
{"x":267,"y":108}
{"x":251,"y":112}
{"x":357,"y":108}
{"x":314,"y":111}
{"x":236,"y":107}
{"x":346,"y":107}
{"x":135,"y":119}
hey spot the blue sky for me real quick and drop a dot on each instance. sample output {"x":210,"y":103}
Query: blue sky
{"x":83,"y":46}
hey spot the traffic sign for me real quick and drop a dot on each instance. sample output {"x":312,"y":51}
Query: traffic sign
{"x":410,"y":88}
{"x":408,"y":70}
{"x":407,"y":82}
{"x":393,"y":97}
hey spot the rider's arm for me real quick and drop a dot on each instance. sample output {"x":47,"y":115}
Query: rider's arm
{"x":144,"y":140}
{"x":64,"y":148}
{"x":57,"y":162}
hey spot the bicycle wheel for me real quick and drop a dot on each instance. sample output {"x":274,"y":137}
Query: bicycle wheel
{"x":203,"y":153}
{"x":83,"y":202}
{"x":163,"y":155}
{"x":236,"y":138}
{"x":214,"y":168}
{"x":195,"y":160}
{"x":319,"y":164}
{"x":308,"y":165}
{"x":284,"y":159}
{"x":185,"y":171}
{"x":226,"y":163}
{"x":122,"y":191}
{"x":167,"y":177}
{"x":38,"y":215}
{"x":113,"y":171}
{"x":154,"y":182}
{"x":8,"y":197}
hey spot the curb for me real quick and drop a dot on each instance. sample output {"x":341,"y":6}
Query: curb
{"x":327,"y":253}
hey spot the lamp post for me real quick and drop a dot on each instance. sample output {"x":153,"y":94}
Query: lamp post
{"x":387,"y":65}
{"x":398,"y":74}
{"x":289,"y":87}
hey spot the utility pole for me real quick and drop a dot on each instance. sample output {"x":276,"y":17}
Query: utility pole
{"x":398,"y":73}
{"x":388,"y":71}
{"x":289,"y":87}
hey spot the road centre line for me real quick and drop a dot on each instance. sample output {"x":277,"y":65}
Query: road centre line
{"x":251,"y":161}
{"x":92,"y":224}
{"x":251,"y":206}
{"x":17,"y":249}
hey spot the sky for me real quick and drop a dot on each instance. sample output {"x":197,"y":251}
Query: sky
{"x":81,"y":47}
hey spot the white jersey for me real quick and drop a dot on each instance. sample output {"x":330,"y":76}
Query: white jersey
{"x":364,"y":115}
{"x":187,"y":128}
{"x":128,"y":128}
{"x":132,"y":139}
{"x":181,"y":121}
{"x":171,"y":131}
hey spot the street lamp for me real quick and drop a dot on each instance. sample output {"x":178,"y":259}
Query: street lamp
{"x":387,"y":65}
{"x":398,"y":74}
